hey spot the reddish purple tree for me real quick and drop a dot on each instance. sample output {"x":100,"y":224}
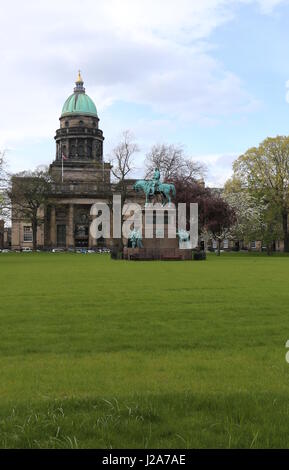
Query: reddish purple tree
{"x":218,"y":218}
{"x":192,"y":191}
{"x":215,"y":214}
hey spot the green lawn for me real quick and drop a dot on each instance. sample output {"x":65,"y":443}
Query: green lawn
{"x":103,"y":353}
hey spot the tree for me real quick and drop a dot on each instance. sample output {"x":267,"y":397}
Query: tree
{"x":255,"y":218}
{"x":191,"y":192}
{"x":121,"y":159}
{"x":218,"y":218}
{"x":4,"y":179}
{"x":215,"y":215}
{"x":264,"y":171}
{"x":2,"y":168}
{"x":28,"y":192}
{"x":1,"y":181}
{"x":271,"y":228}
{"x":173,"y":164}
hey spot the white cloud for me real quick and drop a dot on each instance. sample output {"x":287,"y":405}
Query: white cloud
{"x":267,"y":6}
{"x":219,"y":167}
{"x":155,"y":53}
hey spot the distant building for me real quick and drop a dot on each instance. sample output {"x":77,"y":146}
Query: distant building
{"x":82,"y":178}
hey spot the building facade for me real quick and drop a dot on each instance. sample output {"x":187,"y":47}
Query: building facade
{"x":81,"y":177}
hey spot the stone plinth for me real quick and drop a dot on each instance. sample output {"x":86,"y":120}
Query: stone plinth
{"x":157,"y":248}
{"x":164,"y":254}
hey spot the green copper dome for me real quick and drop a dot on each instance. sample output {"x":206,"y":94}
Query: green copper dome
{"x":79,"y":102}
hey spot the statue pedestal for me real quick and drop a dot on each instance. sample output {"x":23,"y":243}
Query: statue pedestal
{"x":162,"y":254}
{"x":185,"y":245}
{"x":156,"y":248}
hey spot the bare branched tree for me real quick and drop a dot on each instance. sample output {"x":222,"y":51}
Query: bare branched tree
{"x":4,"y":181}
{"x":28,"y":192}
{"x":121,"y":159}
{"x":3,"y":171}
{"x":173,"y":164}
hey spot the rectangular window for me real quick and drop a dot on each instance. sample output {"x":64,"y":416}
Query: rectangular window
{"x":61,"y":235}
{"x":253,"y":245}
{"x":226,"y":244}
{"x":27,"y":234}
{"x":215,"y":245}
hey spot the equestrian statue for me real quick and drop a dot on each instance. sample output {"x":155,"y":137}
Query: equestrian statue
{"x":154,"y":187}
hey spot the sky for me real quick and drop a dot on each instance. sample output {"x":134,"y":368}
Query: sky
{"x":211,"y":75}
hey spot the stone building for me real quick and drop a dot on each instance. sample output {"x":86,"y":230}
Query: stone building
{"x":81,"y":178}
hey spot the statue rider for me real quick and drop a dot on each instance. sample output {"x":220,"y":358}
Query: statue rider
{"x":155,"y":181}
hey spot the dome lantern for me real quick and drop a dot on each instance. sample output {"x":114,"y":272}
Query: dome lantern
{"x":79,"y":84}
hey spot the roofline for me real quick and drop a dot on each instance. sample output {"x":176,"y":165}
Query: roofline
{"x":79,"y":113}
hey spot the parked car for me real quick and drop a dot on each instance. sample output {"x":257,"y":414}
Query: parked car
{"x":81,"y":250}
{"x":57,"y":250}
{"x":102,"y":250}
{"x":26,"y":250}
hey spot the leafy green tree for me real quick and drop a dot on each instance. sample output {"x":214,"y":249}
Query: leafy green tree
{"x":264,"y":172}
{"x":256,"y":219}
{"x":271,"y":227}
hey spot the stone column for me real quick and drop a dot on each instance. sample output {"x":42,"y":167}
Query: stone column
{"x":70,"y":228}
{"x":67,"y":149}
{"x":91,"y":240}
{"x":93,"y":149}
{"x":53,"y":226}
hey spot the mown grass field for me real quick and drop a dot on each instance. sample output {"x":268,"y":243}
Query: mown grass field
{"x":103,"y":353}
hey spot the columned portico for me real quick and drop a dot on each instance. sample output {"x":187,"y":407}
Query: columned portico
{"x":92,"y":242}
{"x":53,"y":226}
{"x":80,"y":178}
{"x":70,"y":228}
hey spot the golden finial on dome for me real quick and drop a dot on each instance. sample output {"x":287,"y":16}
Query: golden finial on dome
{"x":79,"y":88}
{"x":79,"y":78}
